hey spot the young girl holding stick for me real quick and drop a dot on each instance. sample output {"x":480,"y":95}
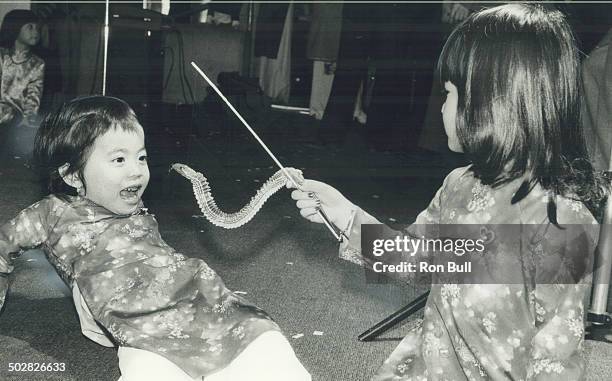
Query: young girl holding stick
{"x":171,"y":316}
{"x":511,"y":75}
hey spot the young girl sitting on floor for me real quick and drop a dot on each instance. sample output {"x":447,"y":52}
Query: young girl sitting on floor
{"x":171,"y":316}
{"x":512,"y":106}
{"x":21,"y":71}
{"x":21,"y":81}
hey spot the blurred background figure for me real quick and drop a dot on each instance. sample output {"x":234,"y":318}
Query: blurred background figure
{"x":383,"y":74}
{"x":21,"y":76}
{"x":597,"y":104}
{"x":432,"y":136}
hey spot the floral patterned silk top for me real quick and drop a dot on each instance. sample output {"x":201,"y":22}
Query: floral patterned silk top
{"x":143,"y":292}
{"x":520,"y":331}
{"x":21,"y":86}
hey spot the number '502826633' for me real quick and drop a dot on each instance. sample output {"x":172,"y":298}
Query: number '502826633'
{"x":36,"y":367}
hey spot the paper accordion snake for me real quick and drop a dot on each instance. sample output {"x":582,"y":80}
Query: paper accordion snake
{"x":209,"y":208}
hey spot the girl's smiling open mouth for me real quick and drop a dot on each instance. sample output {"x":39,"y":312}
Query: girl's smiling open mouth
{"x":131,"y":194}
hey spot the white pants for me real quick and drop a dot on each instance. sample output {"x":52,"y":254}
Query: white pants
{"x":268,"y":358}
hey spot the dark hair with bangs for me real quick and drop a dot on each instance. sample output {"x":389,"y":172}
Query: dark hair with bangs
{"x":68,"y":135}
{"x":12,"y":23}
{"x":516,"y":70}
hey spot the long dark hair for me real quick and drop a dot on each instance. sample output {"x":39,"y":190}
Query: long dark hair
{"x":11,"y":26}
{"x":516,"y":69}
{"x":67,"y":136}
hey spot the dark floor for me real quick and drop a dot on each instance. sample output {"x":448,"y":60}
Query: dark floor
{"x":286,"y":265}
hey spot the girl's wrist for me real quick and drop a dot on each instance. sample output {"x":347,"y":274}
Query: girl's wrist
{"x":347,"y":220}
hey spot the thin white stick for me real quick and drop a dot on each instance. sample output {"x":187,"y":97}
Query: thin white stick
{"x":245,"y":124}
{"x":265,"y":147}
{"x":106,"y":33}
{"x":289,"y":108}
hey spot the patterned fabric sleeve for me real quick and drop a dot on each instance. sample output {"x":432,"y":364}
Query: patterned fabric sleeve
{"x":7,"y":111}
{"x":33,"y":93}
{"x":26,"y":231}
{"x":559,"y":310}
{"x":351,"y":249}
{"x":557,"y":346}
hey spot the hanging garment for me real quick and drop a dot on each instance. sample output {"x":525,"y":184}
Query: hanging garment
{"x":322,"y":80}
{"x":324,"y":34}
{"x":597,"y":105}
{"x":269,"y":28}
{"x":275,"y":73}
{"x":404,"y":50}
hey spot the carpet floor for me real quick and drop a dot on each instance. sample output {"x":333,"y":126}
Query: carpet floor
{"x":284,"y":264}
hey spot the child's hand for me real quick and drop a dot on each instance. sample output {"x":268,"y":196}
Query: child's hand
{"x":314,"y":195}
{"x":296,"y":175}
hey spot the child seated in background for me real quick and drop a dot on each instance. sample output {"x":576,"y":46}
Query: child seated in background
{"x":21,"y":70}
{"x":171,"y":316}
{"x":21,"y":80}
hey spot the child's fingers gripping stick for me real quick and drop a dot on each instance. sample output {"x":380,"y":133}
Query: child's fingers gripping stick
{"x":309,"y":209}
{"x":313,"y":196}
{"x":296,"y":177}
{"x":308,"y":203}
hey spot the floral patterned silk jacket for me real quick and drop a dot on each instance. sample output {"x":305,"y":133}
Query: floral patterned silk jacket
{"x":523,"y":330}
{"x":138,"y":288}
{"x":21,"y":86}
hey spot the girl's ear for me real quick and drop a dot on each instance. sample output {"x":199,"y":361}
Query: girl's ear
{"x":71,"y":179}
